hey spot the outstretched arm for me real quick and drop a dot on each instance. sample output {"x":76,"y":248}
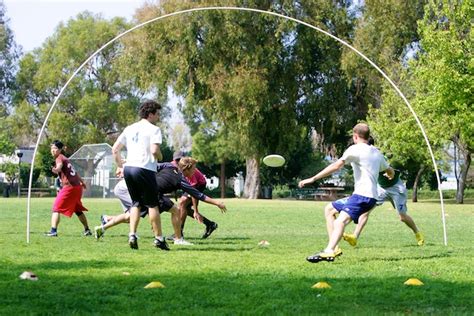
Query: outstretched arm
{"x":335,"y":166}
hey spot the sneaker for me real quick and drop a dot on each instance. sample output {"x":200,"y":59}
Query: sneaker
{"x":209,"y":229}
{"x":103,"y":219}
{"x":99,"y":232}
{"x":171,"y":237}
{"x":51,"y":234}
{"x":87,"y":232}
{"x":321,"y":256}
{"x":161,"y":244}
{"x":420,"y":238}
{"x":350,"y":238}
{"x":182,"y":242}
{"x":132,"y":241}
{"x":337,"y":251}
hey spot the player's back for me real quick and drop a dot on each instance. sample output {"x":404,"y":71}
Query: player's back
{"x":137,"y":138}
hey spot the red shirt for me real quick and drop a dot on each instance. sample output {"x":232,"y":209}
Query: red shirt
{"x":68,"y":174}
{"x":197,"y":178}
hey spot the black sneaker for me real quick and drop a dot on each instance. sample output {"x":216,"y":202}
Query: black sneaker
{"x":132,"y":241}
{"x":209,"y":229}
{"x":322,"y":256}
{"x":51,"y":234}
{"x":87,"y":232}
{"x":161,"y":244}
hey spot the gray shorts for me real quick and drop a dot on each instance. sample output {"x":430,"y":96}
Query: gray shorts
{"x":396,"y":194}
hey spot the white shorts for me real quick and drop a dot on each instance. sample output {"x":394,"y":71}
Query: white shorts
{"x":396,"y":194}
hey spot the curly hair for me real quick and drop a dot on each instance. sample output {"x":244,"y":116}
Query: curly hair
{"x":186,"y":163}
{"x":148,"y":107}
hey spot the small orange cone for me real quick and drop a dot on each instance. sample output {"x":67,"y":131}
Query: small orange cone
{"x":154,"y":285}
{"x":321,"y":285}
{"x":413,"y":281}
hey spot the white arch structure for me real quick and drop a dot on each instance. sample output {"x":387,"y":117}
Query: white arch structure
{"x":233,"y":9}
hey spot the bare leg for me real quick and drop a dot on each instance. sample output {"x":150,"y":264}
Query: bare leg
{"x":155,"y":220}
{"x":360,"y":226}
{"x":115,"y":220}
{"x":183,"y":212}
{"x":338,"y":229}
{"x":55,"y":220}
{"x":176,"y":221}
{"x":134,"y":219}
{"x":330,"y":214}
{"x":83,"y":220}
{"x":409,"y":222}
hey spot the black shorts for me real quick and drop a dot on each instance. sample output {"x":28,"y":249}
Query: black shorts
{"x":164,"y":205}
{"x":200,"y":188}
{"x":141,"y":184}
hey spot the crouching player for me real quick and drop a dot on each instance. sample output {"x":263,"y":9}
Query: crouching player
{"x":169,"y":178}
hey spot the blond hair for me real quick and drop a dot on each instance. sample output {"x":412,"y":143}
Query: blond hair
{"x":362,"y":130}
{"x":186,"y":163}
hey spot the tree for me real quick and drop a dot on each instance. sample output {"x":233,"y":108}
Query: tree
{"x":98,"y":103}
{"x":386,"y":32}
{"x":253,"y":76}
{"x":9,"y":54}
{"x":444,"y":78}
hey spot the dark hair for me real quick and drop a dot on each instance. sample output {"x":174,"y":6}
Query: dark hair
{"x":362,"y":130}
{"x":148,"y":107}
{"x":371,"y":141}
{"x":58,"y":144}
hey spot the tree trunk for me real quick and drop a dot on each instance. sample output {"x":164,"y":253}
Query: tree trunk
{"x":252,"y":179}
{"x":416,"y":183}
{"x":222,"y":179}
{"x":463,"y":176}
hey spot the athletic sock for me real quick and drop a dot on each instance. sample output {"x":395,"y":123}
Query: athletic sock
{"x":160,"y":238}
{"x":206,"y":221}
{"x":54,"y":229}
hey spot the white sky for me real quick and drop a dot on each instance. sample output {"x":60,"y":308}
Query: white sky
{"x":32,"y":21}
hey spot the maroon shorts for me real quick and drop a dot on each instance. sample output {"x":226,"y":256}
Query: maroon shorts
{"x":68,"y":200}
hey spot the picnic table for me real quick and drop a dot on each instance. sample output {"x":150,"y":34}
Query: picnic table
{"x":332,"y":192}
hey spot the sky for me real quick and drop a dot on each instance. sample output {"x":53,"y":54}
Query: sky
{"x":32,"y":21}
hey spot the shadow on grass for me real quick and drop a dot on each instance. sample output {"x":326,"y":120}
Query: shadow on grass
{"x":220,"y":293}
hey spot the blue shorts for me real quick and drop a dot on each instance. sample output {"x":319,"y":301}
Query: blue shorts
{"x":355,"y":205}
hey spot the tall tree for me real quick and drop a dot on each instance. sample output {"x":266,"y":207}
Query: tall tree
{"x":254,"y":74}
{"x":386,"y":31}
{"x":444,"y":78}
{"x":98,"y":103}
{"x":9,"y":54}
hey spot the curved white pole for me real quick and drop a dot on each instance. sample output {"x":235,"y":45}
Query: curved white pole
{"x":235,"y":9}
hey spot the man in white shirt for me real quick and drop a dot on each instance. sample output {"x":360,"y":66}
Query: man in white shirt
{"x":142,"y":140}
{"x":366,"y":162}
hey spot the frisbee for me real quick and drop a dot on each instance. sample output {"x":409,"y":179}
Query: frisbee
{"x":274,"y":160}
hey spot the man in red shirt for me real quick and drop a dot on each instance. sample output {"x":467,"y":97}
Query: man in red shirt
{"x":68,"y":200}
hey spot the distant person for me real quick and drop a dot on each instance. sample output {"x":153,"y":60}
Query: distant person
{"x":367,"y":162}
{"x":188,"y":204}
{"x":68,"y":200}
{"x":142,"y":140}
{"x":169,"y":178}
{"x":395,"y":191}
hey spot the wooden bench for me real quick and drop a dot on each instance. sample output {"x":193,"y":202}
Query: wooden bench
{"x":37,"y":192}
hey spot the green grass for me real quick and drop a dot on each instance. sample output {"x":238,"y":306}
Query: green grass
{"x":229,"y":273}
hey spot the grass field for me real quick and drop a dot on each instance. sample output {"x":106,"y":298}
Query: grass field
{"x":228,"y":273}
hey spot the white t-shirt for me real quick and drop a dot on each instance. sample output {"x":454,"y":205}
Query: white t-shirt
{"x":366,"y":162}
{"x":137,"y":138}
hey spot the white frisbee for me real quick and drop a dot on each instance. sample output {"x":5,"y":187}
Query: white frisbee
{"x":274,"y":160}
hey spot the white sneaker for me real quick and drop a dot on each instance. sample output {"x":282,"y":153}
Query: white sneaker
{"x":182,"y":242}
